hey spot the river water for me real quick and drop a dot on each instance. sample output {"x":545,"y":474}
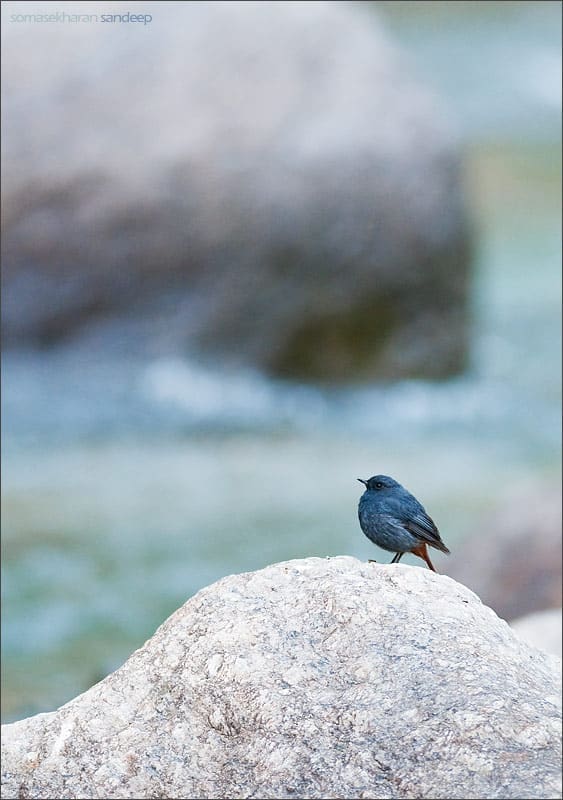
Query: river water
{"x":128,"y":485}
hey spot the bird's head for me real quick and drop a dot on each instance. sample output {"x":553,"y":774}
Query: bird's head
{"x":379,"y":482}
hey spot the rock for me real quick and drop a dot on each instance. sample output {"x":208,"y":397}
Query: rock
{"x":516,"y":567}
{"x":310,"y":678}
{"x":260,"y":182}
{"x":542,"y":630}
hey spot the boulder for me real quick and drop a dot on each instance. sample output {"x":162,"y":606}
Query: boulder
{"x":262,"y":183}
{"x":317,"y":678}
{"x":542,"y":629}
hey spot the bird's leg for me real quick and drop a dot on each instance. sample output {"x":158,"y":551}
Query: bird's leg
{"x":422,"y":552}
{"x":396,"y":558}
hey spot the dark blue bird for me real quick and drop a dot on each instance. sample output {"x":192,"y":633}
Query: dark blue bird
{"x":394,"y":520}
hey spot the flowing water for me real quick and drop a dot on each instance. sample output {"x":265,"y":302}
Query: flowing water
{"x":129,"y":485}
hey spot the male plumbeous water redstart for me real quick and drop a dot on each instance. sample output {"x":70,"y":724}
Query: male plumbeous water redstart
{"x":394,"y":520}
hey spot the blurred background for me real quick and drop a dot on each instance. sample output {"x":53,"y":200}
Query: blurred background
{"x":252,"y":252}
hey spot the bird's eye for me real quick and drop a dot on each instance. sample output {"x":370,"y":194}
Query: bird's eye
{"x":379,"y":485}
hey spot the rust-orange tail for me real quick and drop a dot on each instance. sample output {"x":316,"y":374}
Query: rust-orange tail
{"x":422,"y":552}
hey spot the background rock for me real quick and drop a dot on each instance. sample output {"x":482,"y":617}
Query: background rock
{"x":262,"y":182}
{"x":311,"y":678}
{"x":516,"y":567}
{"x":542,"y":630}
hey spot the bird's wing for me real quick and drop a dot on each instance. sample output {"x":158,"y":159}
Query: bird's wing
{"x":423,"y":527}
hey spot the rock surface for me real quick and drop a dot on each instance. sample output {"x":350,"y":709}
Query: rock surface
{"x":542,"y":630}
{"x":314,"y":678}
{"x":261,"y":182}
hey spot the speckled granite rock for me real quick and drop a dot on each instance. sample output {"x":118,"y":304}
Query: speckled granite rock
{"x":263,"y":183}
{"x":312,"y":678}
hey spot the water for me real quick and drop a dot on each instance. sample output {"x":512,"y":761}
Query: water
{"x":128,"y":485}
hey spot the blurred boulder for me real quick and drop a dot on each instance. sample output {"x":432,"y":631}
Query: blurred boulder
{"x":542,"y":630}
{"x":310,"y":678}
{"x":259,"y":181}
{"x":516,"y":567}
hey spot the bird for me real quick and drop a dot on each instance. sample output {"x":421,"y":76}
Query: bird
{"x":391,"y":517}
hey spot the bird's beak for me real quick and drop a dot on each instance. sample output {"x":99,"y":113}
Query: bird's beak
{"x":363,"y":481}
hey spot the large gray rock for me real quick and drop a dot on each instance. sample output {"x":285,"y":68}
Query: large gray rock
{"x":312,"y":678}
{"x":259,"y":181}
